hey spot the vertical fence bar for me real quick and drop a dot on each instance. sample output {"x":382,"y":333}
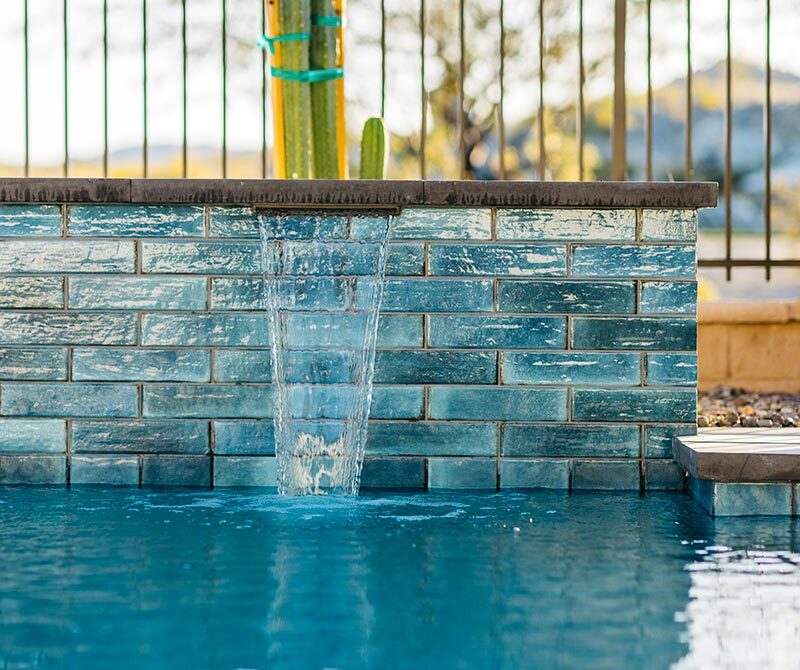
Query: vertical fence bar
{"x":768,"y":144}
{"x":542,"y":149}
{"x":648,"y":128}
{"x":26,"y":75}
{"x":105,"y":88}
{"x":423,"y":122}
{"x":263,"y":93}
{"x":618,"y":133}
{"x":66,"y":93}
{"x":145,"y":105}
{"x":728,"y":176}
{"x":462,"y":68}
{"x":581,"y":120}
{"x":184,"y":93}
{"x":501,"y":117}
{"x":224,"y":89}
{"x":383,"y":58}
{"x":688,"y":168}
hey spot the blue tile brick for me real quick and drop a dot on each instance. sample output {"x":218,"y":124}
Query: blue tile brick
{"x":660,"y":333}
{"x":244,"y":438}
{"x":322,"y":366}
{"x":366,"y":226}
{"x":243,"y":223}
{"x":663,"y":475}
{"x":672,"y":369}
{"x":31,"y":292}
{"x":571,"y":440}
{"x":658,"y":439}
{"x":462,"y":473}
{"x":567,"y":297}
{"x":298,"y":225}
{"x":405,"y":259}
{"x":669,"y":225}
{"x":66,"y":256}
{"x":69,"y":400}
{"x":213,"y":401}
{"x":613,"y":369}
{"x":431,"y":439}
{"x":135,"y":221}
{"x":331,"y":258}
{"x":176,"y":471}
{"x":606,"y":475}
{"x":68,"y":328}
{"x":400,"y":332}
{"x":567,"y":224}
{"x":497,"y":332}
{"x":33,"y":469}
{"x":306,"y":293}
{"x":242,"y":366}
{"x":405,"y":402}
{"x":205,"y":330}
{"x":432,"y":223}
{"x":30,"y":221}
{"x":633,"y":261}
{"x":33,"y":435}
{"x":393,"y":473}
{"x":33,"y":364}
{"x":348,"y":330}
{"x":498,"y":259}
{"x":534,"y":474}
{"x":141,"y":365}
{"x":668,"y":298}
{"x":104,"y":470}
{"x":646,"y":405}
{"x":702,"y":490}
{"x":438,"y":295}
{"x":773,"y":499}
{"x":246,"y":472}
{"x":498,"y":404}
{"x":435,"y":367}
{"x":223,"y":258}
{"x":151,"y":293}
{"x":140,"y":437}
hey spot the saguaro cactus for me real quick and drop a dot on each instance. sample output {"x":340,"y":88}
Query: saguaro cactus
{"x":324,"y":31}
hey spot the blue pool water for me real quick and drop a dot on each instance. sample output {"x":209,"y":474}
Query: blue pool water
{"x":165,"y":579}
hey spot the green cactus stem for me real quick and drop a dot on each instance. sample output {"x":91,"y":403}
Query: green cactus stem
{"x":324,"y":94}
{"x":374,"y":149}
{"x":295,"y":17}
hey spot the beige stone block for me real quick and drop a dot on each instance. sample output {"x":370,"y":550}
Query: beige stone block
{"x":712,"y":347}
{"x":765,"y":353}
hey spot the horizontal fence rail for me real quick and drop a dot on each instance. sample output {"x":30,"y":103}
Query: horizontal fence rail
{"x":462,"y":128}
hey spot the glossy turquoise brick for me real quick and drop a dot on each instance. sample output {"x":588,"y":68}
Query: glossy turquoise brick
{"x":772,"y":499}
{"x":498,"y":404}
{"x":498,"y":260}
{"x":672,"y":369}
{"x":217,"y":401}
{"x":462,"y":473}
{"x":534,"y":474}
{"x":33,"y":469}
{"x":141,"y":365}
{"x":66,"y":256}
{"x":246,"y":472}
{"x":33,"y":364}
{"x":403,"y":402}
{"x":646,"y":405}
{"x":400,"y":331}
{"x":321,"y":366}
{"x":613,"y":369}
{"x":667,"y":297}
{"x":306,"y":293}
{"x":69,"y":399}
{"x":393,"y":473}
{"x":336,"y":402}
{"x":606,"y":475}
{"x":663,"y":475}
{"x":330,"y":259}
{"x":67,"y":328}
{"x":664,"y":333}
{"x":104,"y":470}
{"x":497,"y":332}
{"x":176,"y":471}
{"x":30,"y":221}
{"x":205,"y":330}
{"x":31,"y":292}
{"x":567,"y":224}
{"x":244,"y":438}
{"x":346,"y":330}
{"x":438,"y":295}
{"x":134,"y":293}
{"x":669,"y":225}
{"x":567,"y":297}
{"x":140,"y":436}
{"x":242,"y":222}
{"x":702,"y":490}
{"x":32,"y":435}
{"x":658,"y":439}
{"x":429,"y":438}
{"x":432,"y":223}
{"x":435,"y":367}
{"x":222,"y":258}
{"x":236,"y":365}
{"x":135,"y":221}
{"x":634,"y":261}
{"x":571,"y":440}
{"x":405,"y":259}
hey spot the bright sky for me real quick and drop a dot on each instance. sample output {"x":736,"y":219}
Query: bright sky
{"x":125,"y":96}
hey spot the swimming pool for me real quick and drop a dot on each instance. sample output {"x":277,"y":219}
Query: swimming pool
{"x":94,"y":578}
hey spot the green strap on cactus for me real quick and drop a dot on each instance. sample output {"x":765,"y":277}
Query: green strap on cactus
{"x":269,"y":42}
{"x":310,"y":76}
{"x":327,"y":21}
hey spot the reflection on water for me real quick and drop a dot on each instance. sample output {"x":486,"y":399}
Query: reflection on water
{"x":744,"y":610}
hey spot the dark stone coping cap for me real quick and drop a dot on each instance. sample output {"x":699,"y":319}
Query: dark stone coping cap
{"x":356,"y":193}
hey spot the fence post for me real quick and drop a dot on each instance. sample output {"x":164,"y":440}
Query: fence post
{"x":619,"y":170}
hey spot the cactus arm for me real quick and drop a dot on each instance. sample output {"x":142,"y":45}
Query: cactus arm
{"x":374,"y":149}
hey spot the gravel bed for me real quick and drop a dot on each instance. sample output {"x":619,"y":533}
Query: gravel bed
{"x":737,"y":407}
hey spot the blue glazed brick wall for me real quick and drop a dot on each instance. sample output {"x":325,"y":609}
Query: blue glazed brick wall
{"x":551,"y":348}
